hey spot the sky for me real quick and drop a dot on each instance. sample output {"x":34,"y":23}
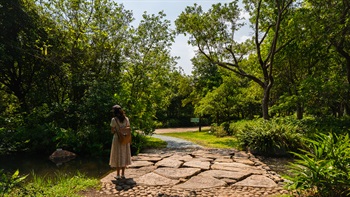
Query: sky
{"x":172,"y":9}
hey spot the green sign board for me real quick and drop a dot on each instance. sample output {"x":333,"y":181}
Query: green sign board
{"x":194,"y":119}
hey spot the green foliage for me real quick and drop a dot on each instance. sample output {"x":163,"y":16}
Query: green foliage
{"x":218,"y":131}
{"x":138,"y":142}
{"x":8,"y":182}
{"x":324,"y":168}
{"x":273,"y":137}
{"x":60,"y":185}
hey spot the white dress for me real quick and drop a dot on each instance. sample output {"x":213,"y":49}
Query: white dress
{"x":120,"y":153}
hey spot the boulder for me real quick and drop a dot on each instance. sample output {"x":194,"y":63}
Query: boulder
{"x":61,"y":156}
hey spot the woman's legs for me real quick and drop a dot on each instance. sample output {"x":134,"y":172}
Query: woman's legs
{"x":118,"y":171}
{"x":123,"y":171}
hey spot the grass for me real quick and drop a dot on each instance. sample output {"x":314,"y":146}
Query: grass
{"x":206,"y":139}
{"x":156,"y":143}
{"x":60,"y":185}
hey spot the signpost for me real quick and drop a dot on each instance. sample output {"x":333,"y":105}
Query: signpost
{"x":197,"y":120}
{"x":194,"y":119}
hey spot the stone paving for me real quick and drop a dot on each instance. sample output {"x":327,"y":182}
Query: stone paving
{"x":195,"y":172}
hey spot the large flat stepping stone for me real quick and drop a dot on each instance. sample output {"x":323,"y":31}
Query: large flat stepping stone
{"x":205,"y":165}
{"x":153,"y":179}
{"x":237,"y":167}
{"x":177,"y":173}
{"x":146,"y":158}
{"x":244,"y":161}
{"x":241,"y":154}
{"x":139,"y":164}
{"x":224,"y":160}
{"x":185,"y":158}
{"x":220,"y":174}
{"x":169,"y":162}
{"x":201,"y":182}
{"x":137,"y":172}
{"x":203,"y":159}
{"x":206,"y":154}
{"x":257,"y":181}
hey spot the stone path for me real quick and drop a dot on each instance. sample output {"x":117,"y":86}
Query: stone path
{"x":195,"y":172}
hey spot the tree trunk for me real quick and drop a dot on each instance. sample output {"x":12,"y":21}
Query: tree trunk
{"x":300,"y":113}
{"x":265,"y":103}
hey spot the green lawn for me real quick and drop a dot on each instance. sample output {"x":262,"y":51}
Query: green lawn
{"x":206,"y":139}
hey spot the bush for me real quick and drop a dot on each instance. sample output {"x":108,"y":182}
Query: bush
{"x":218,"y":131}
{"x":271,"y":138}
{"x":325,"y":170}
{"x":138,"y":142}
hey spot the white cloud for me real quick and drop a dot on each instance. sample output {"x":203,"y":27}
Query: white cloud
{"x":244,"y":15}
{"x":243,"y":38}
{"x":186,"y":52}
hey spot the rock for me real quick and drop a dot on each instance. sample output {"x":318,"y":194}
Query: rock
{"x":139,"y":164}
{"x":244,"y":161}
{"x":61,"y":156}
{"x":241,"y":154}
{"x":145,"y":158}
{"x":205,"y":165}
{"x":256,"y":181}
{"x":169,"y":162}
{"x":236,"y":167}
{"x":185,"y":158}
{"x":201,"y":182}
{"x":177,"y":173}
{"x":226,"y":174}
{"x":154,"y":179}
{"x":224,"y":160}
{"x":137,"y":172}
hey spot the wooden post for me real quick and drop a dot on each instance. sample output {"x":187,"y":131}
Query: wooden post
{"x":199,"y":122}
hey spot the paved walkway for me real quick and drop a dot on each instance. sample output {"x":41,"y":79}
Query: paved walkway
{"x":193,"y":171}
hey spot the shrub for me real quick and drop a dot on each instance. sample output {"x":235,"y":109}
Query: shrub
{"x":271,"y":138}
{"x":325,"y":170}
{"x":138,"y":142}
{"x":218,"y":131}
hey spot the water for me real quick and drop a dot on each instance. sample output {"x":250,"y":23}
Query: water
{"x":43,"y":167}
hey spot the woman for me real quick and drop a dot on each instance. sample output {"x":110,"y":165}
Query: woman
{"x":120,"y":153}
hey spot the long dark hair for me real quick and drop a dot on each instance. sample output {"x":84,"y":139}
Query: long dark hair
{"x":119,"y":113}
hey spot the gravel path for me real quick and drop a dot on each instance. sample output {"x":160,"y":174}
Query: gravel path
{"x":176,"y":142}
{"x":175,"y":130}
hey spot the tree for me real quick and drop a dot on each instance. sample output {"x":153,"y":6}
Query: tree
{"x":86,"y":42}
{"x":147,"y":72}
{"x":229,"y":101}
{"x":21,"y":60}
{"x":333,"y":28}
{"x":213,"y":33}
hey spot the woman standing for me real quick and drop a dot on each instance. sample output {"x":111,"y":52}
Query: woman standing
{"x":120,"y":156}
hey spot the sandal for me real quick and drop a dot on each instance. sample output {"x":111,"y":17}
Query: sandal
{"x":123,"y":177}
{"x":117,"y":177}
